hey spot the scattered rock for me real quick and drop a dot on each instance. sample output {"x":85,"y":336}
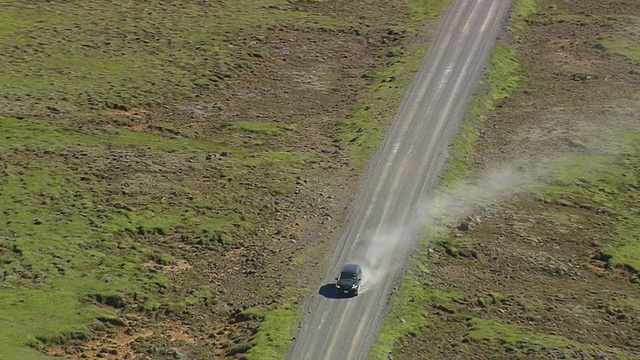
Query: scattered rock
{"x":581,"y":77}
{"x":464,"y":226}
{"x":467,"y":253}
{"x":564,"y":202}
{"x":576,"y":144}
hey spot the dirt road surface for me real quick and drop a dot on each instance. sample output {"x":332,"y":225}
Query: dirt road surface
{"x":393,"y":201}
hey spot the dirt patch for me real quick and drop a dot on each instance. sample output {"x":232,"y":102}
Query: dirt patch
{"x":113,"y":343}
{"x":134,"y":113}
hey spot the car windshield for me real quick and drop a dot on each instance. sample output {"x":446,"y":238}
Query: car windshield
{"x":348,"y":276}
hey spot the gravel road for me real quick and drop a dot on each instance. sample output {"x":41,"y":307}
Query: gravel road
{"x":393,"y":201}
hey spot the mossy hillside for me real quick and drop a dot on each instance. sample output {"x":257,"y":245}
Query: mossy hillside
{"x":626,"y":43}
{"x":43,"y":316}
{"x":131,"y":54}
{"x":606,"y":184}
{"x":520,"y":342}
{"x":410,"y":315}
{"x":78,"y":220}
{"x":115,"y":194}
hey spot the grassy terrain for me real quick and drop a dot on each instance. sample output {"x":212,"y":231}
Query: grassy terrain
{"x":605,"y":184}
{"x":601,"y":182}
{"x":410,"y":315}
{"x":78,"y":235}
{"x":427,"y":11}
{"x":273,"y":338}
{"x":98,"y":211}
{"x":502,"y":77}
{"x":132,"y":54}
{"x":523,"y":343}
{"x":624,"y":44}
{"x":520,"y":15}
{"x":599,"y":185}
{"x":88,"y":209}
{"x":103,"y":192}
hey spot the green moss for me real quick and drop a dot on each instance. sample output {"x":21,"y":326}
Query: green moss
{"x":523,"y":342}
{"x":76,"y":217}
{"x":41,"y":317}
{"x":629,"y":306}
{"x":274,"y":334}
{"x":627,"y":44}
{"x":503,"y":75}
{"x":163,"y":259}
{"x":511,"y":335}
{"x":176,"y":307}
{"x":410,"y":314}
{"x":603,"y":184}
{"x":151,"y":305}
{"x":260,"y":127}
{"x":427,"y":11}
{"x":520,"y":15}
{"x":625,"y":47}
{"x":254,"y":313}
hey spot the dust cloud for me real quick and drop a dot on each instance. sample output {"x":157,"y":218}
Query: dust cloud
{"x":490,"y":187}
{"x":593,"y":131}
{"x":390,"y":244}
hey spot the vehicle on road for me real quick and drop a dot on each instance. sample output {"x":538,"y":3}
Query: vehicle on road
{"x":348,"y":283}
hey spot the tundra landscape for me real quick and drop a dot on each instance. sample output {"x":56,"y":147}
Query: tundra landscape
{"x":175,"y":178}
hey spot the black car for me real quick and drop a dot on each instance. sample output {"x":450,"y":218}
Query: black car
{"x":349,"y":281}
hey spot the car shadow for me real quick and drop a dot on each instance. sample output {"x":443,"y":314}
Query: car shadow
{"x":329,"y":291}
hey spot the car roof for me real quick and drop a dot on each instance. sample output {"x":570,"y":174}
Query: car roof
{"x":350,"y":268}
